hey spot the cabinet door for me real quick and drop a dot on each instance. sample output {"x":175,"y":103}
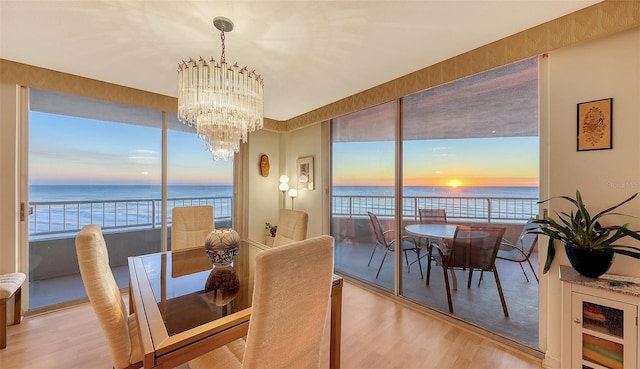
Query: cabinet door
{"x":603,"y":333}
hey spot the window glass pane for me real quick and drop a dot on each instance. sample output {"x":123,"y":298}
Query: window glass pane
{"x":194,"y":178}
{"x":470,"y":152}
{"x":363,"y":165}
{"x":90,"y":161}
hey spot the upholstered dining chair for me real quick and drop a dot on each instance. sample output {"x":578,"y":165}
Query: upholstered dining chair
{"x":432,"y":216}
{"x":473,"y":248}
{"x":292,"y":226}
{"x":520,"y":251}
{"x":386,"y":240}
{"x":291,"y":302}
{"x":120,"y":328}
{"x":190,"y":226}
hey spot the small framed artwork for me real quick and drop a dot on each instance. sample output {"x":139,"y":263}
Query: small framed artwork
{"x":305,"y":173}
{"x":595,"y":125}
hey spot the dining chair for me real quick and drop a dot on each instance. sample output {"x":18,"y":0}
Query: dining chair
{"x":292,"y":226}
{"x":432,"y":216}
{"x":386,"y":239}
{"x":291,"y":302}
{"x":119,"y":327}
{"x":473,"y":248}
{"x":190,"y":226}
{"x":520,"y":251}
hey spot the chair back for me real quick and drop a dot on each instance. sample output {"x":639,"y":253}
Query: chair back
{"x":291,"y":301}
{"x":475,"y":247}
{"x":105,"y":297}
{"x":376,"y":229}
{"x":292,"y":226}
{"x":190,"y":226}
{"x":438,"y":216}
{"x":527,"y":241}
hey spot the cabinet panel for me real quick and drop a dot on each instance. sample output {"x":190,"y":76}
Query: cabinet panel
{"x":603,"y":333}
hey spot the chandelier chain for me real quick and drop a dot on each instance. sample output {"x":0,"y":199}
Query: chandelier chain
{"x":222,"y":59}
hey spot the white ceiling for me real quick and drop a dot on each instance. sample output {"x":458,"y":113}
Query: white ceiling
{"x":310,"y":53}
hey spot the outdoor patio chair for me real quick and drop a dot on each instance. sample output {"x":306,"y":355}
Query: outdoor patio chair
{"x":387,"y":240}
{"x":430,"y":216}
{"x":473,"y":248}
{"x":520,"y":251}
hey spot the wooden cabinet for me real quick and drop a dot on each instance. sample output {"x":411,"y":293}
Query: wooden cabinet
{"x":600,"y":321}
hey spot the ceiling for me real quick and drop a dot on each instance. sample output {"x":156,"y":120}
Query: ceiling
{"x":309,"y":53}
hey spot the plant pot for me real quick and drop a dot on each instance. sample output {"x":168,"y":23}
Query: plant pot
{"x":588,"y":262}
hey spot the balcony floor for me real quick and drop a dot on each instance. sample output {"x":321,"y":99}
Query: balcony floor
{"x":479,"y":305}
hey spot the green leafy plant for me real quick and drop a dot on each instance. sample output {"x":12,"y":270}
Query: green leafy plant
{"x":579,"y":229}
{"x":272,"y":228}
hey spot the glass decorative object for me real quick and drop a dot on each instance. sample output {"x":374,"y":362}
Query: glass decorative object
{"x":222,"y":246}
{"x":222,"y":286}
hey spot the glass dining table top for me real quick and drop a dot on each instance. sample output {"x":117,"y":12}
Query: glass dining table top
{"x":190,"y":291}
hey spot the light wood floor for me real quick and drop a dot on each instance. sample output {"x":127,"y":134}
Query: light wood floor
{"x":376,"y":333}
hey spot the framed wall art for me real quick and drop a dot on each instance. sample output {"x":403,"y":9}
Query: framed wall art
{"x":595,"y":125}
{"x":305,"y":173}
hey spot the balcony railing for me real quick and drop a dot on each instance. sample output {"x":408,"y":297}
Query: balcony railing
{"x":57,"y":217}
{"x":489,"y":209}
{"x":69,"y":216}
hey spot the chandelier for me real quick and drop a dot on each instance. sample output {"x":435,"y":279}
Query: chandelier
{"x":223,"y":102}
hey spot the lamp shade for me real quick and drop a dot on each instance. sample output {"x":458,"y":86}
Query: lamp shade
{"x":293,"y":193}
{"x":283,"y":186}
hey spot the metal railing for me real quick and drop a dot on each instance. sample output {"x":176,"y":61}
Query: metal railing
{"x":57,"y":217}
{"x":70,"y":216}
{"x":489,"y":209}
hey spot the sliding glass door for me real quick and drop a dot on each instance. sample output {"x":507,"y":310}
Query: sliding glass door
{"x":363,"y":175}
{"x":469,"y":150}
{"x":90,"y":161}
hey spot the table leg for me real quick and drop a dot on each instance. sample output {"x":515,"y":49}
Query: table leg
{"x":336,"y":324}
{"x":454,"y":279}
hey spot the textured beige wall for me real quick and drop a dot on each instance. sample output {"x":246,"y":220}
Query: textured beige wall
{"x":604,"y":68}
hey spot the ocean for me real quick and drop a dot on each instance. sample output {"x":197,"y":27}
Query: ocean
{"x":48,"y":193}
{"x":119,"y":206}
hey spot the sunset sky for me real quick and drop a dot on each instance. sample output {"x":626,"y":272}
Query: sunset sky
{"x":69,"y":150}
{"x":505,"y":161}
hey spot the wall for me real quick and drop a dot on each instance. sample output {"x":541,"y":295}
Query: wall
{"x":302,"y":143}
{"x":264,"y":197}
{"x":608,"y":67}
{"x":9,"y":190}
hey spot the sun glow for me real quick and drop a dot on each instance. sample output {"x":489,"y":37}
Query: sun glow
{"x":454,"y":183}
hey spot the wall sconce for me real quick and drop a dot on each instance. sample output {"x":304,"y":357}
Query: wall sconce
{"x":284,"y":186}
{"x":293,"y":193}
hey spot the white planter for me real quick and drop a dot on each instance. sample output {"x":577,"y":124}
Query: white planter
{"x":269,"y":240}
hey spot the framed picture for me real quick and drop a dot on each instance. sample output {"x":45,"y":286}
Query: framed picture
{"x":305,"y":173}
{"x":595,"y":125}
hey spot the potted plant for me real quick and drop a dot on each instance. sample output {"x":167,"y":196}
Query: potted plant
{"x":590,"y":246}
{"x":272,"y":229}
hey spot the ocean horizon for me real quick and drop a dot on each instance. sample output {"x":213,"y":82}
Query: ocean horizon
{"x":63,"y":208}
{"x":58,"y":192}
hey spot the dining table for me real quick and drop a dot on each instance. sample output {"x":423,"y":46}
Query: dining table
{"x":438,"y":231}
{"x":186,"y":307}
